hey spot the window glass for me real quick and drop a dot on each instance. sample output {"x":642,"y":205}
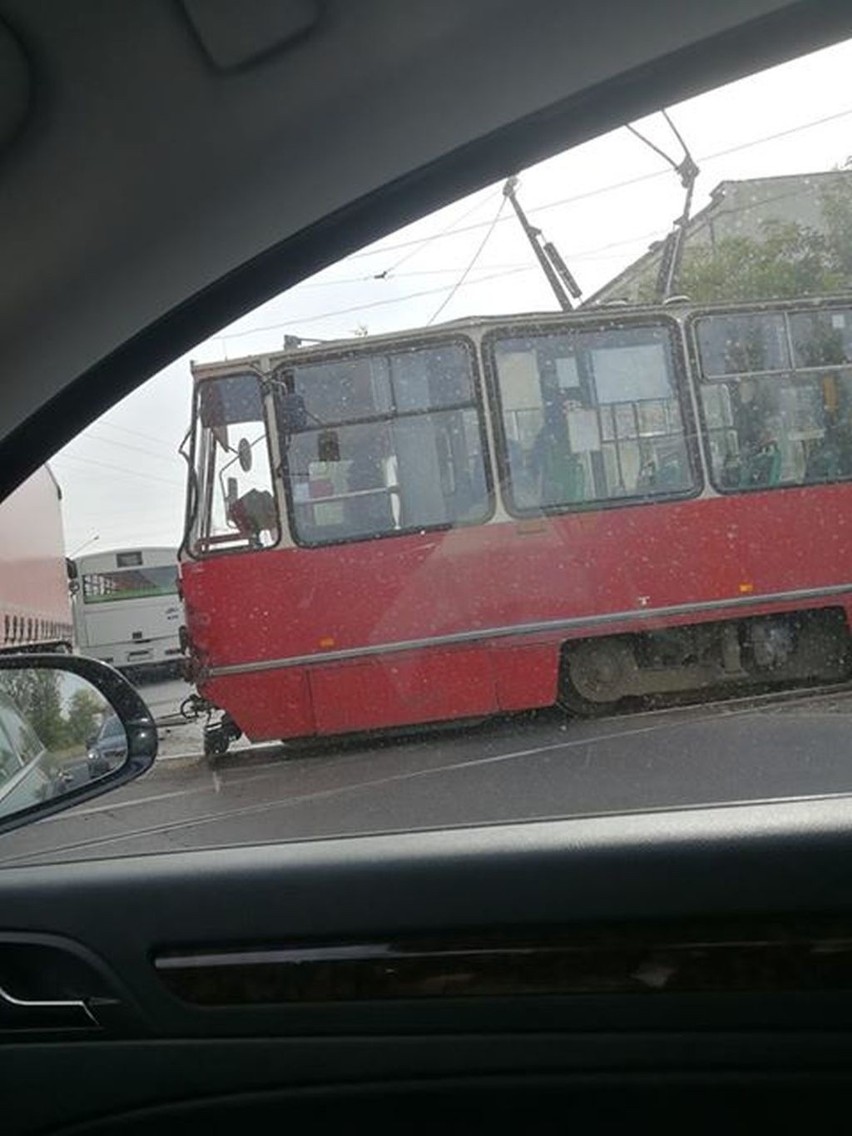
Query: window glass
{"x":402,"y":468}
{"x":423,"y":491}
{"x":791,"y":427}
{"x":591,"y":416}
{"x":232,"y":503}
{"x":821,"y":338}
{"x":20,"y":736}
{"x":129,"y":584}
{"x":112,"y":728}
{"x":33,"y":787}
{"x":10,"y":762}
{"x":342,"y":391}
{"x":738,"y":344}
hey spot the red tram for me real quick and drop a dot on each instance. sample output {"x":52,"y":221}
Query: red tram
{"x":500,"y":514}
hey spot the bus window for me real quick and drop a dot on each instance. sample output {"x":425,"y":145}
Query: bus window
{"x":790,"y":427}
{"x":392,"y":443}
{"x":590,"y":416}
{"x":233,"y":502}
{"x":129,"y":584}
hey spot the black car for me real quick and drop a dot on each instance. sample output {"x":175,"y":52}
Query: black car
{"x":108,"y":749}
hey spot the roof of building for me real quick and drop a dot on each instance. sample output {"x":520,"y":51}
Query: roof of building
{"x":728,"y":197}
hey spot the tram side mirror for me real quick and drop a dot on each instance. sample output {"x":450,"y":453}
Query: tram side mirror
{"x":245,"y":455}
{"x":70,"y":729}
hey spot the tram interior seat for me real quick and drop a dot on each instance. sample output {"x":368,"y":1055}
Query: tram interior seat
{"x":564,"y":483}
{"x":762,"y":468}
{"x":829,"y":460}
{"x":665,"y":472}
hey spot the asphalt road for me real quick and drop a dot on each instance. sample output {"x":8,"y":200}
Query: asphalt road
{"x":528,"y":766}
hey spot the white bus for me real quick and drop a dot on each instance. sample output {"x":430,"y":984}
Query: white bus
{"x":126,"y":607}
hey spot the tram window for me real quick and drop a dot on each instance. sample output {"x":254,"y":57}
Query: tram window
{"x":774,"y":431}
{"x":367,"y":386}
{"x":792,"y":427}
{"x":589,"y":417}
{"x":415,"y":460}
{"x":821,"y":338}
{"x":232,"y":502}
{"x":742,"y":344}
{"x":344,"y":390}
{"x":427,"y":380}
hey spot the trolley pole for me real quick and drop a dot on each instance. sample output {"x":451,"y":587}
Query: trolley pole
{"x":559,"y":278}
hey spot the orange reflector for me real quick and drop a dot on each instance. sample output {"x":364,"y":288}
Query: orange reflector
{"x":746,"y":589}
{"x":326,"y":641}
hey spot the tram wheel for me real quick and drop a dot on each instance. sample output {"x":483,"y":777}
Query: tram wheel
{"x":595,"y":676}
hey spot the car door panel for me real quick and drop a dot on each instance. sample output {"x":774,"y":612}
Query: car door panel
{"x":624,"y":889}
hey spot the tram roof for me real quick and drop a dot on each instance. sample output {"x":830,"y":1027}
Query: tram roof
{"x":611,"y":311}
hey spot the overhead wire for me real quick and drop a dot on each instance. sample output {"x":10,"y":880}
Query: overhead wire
{"x":104,"y":422}
{"x":471,"y":264}
{"x":626,"y":183}
{"x":301,"y":320}
{"x":583,"y":254}
{"x":397,"y":276}
{"x":91,"y":434}
{"x":59,"y":458}
{"x":477,"y":205}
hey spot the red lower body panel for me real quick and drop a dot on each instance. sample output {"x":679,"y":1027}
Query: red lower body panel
{"x":399,"y":689}
{"x":277,"y":618}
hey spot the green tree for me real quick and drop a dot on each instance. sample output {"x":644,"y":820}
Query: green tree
{"x":837,"y":213}
{"x":83,"y":717}
{"x":791,"y":260}
{"x":36,"y":694}
{"x":784,"y":260}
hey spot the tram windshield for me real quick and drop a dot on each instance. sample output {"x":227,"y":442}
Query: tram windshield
{"x":232,"y":504}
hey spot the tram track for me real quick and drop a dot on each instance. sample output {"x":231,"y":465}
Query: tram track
{"x":308,"y":783}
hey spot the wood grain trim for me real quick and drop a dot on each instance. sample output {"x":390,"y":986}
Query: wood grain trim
{"x":769,"y":958}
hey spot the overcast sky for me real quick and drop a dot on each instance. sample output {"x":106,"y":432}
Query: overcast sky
{"x":602,"y":204}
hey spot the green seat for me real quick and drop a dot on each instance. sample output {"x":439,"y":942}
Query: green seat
{"x":762,"y":468}
{"x":563,"y":480}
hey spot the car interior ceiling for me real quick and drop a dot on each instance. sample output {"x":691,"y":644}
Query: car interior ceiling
{"x":338,"y":131}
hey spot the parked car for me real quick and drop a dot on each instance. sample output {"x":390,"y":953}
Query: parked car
{"x":107,"y":750}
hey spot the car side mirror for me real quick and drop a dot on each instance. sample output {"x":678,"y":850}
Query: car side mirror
{"x":71,"y":729}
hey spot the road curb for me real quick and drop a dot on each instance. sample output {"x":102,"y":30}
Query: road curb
{"x":177,"y":761}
